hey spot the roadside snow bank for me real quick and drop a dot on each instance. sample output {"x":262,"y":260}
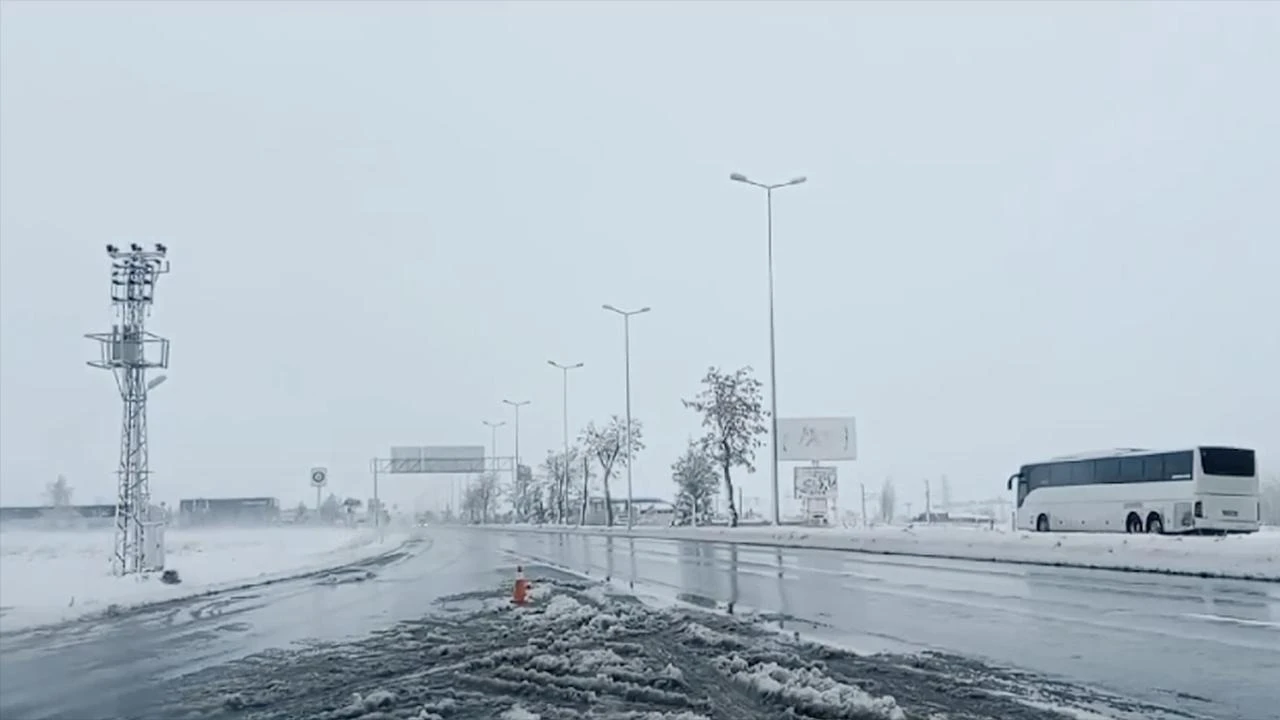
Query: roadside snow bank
{"x":52,"y":576}
{"x":1253,"y":557}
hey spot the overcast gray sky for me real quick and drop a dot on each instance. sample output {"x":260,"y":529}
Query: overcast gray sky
{"x":1029,"y":228}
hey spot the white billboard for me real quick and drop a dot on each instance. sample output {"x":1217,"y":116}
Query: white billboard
{"x":461,"y":459}
{"x":806,"y":439}
{"x":815,"y":481}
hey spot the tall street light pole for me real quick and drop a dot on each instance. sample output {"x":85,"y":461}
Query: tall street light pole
{"x":626,"y":344}
{"x":773,"y":357}
{"x":493,"y":427}
{"x":515,"y":474}
{"x":565,"y":462}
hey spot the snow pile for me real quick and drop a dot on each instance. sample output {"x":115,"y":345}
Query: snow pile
{"x":51,"y":576}
{"x":580,"y":653}
{"x":1254,"y":556}
{"x":809,"y":690}
{"x":575,"y":654}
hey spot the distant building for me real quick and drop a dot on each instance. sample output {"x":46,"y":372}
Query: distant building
{"x":49,"y":517}
{"x":35,"y":512}
{"x":228,"y":511}
{"x":648,"y":511}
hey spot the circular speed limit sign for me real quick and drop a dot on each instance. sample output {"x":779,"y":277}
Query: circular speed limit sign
{"x":319,"y":476}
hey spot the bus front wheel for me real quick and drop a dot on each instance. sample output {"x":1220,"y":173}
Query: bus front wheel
{"x":1042,"y":523}
{"x":1155,"y":525}
{"x":1133,"y":524}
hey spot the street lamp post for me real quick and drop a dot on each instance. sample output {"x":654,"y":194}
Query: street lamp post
{"x":515,"y":474}
{"x":773,"y":358}
{"x":626,"y":344}
{"x":493,"y":443}
{"x":565,"y":461}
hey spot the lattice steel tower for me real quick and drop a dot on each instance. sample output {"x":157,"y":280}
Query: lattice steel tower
{"x":128,"y":351}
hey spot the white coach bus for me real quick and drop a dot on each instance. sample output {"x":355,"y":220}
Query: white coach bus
{"x":1204,"y":489}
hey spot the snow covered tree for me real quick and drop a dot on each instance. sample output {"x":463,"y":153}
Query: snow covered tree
{"x":524,"y":493}
{"x":560,"y":472}
{"x":888,"y":501}
{"x":585,"y":498}
{"x":57,"y":494}
{"x":733,"y":414}
{"x":485,"y":491}
{"x":696,"y":481}
{"x":330,"y":509}
{"x":608,"y":445}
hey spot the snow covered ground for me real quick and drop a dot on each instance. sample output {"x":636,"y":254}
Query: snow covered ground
{"x":581,"y":651}
{"x":1255,"y":556}
{"x":50,"y":576}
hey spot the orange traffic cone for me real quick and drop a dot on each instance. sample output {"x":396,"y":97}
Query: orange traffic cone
{"x":520,"y":595}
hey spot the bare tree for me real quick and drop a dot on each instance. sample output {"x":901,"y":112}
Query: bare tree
{"x":694,"y":473}
{"x":608,"y":445}
{"x":888,"y":501}
{"x":733,"y":414}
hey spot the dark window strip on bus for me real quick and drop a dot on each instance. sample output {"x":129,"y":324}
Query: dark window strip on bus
{"x":1144,"y":468}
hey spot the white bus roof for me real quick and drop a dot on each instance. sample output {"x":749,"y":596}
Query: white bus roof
{"x":1103,"y":454}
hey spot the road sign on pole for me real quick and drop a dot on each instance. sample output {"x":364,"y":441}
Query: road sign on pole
{"x":319,"y":477}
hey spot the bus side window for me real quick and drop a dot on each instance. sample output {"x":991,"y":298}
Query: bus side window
{"x":1131,"y":469}
{"x":1106,"y":471}
{"x":1060,"y":474}
{"x":1082,"y":473}
{"x":1178,"y":463}
{"x":1153,"y":468}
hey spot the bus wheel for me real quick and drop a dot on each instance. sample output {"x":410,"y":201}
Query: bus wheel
{"x":1042,"y":523}
{"x":1155,"y":525}
{"x":1133,"y":523}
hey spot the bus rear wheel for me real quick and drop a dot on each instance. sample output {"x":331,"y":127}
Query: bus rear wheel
{"x":1155,"y":525}
{"x":1133,"y":524}
{"x":1042,"y":523}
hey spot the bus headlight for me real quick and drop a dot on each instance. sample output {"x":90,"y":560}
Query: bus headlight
{"x":1199,"y":509}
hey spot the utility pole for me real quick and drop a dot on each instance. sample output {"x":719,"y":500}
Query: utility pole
{"x":863,"y":486}
{"x":128,"y":351}
{"x":773,"y":355}
{"x":928,"y":503}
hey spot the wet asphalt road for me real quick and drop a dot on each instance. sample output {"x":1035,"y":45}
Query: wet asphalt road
{"x":1208,"y":648}
{"x":1211,"y":647}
